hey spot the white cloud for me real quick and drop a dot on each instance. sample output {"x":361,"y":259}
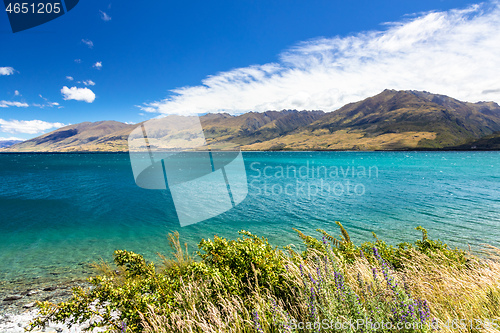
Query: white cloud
{"x":69,"y":78}
{"x":27,"y":126}
{"x":151,"y":107}
{"x":6,"y":104}
{"x":98,"y":65}
{"x":11,"y":139}
{"x":78,"y":61}
{"x":17,"y":93}
{"x":456,"y":53}
{"x":6,"y":70}
{"x":46,"y":104}
{"x":78,"y":94}
{"x":88,"y":42}
{"x":89,"y":83}
{"x":104,"y":16}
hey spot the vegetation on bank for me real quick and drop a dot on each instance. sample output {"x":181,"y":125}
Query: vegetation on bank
{"x":247,"y":285}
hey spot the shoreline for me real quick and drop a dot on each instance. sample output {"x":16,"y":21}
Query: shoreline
{"x":18,"y":304}
{"x":23,"y":298}
{"x":19,"y":309}
{"x":450,"y":149}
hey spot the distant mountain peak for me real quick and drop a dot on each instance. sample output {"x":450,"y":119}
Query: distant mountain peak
{"x":392,"y":119}
{"x":4,"y":143}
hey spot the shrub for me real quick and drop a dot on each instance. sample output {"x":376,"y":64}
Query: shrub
{"x":247,"y":285}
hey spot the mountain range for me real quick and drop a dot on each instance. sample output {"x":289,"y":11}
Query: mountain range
{"x":4,"y":143}
{"x":391,"y":120}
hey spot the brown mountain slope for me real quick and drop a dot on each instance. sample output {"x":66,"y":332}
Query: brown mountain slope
{"x":224,"y":131}
{"x":221,"y":131}
{"x":489,"y":142}
{"x":86,"y":136}
{"x":395,"y":120}
{"x":389,"y":120}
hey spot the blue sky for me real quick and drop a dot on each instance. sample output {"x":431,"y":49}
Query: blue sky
{"x":236,"y":56}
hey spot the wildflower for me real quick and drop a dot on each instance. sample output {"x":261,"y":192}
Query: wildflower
{"x":339,"y":280}
{"x":360,"y":281}
{"x":406,"y":288}
{"x":312,"y":279}
{"x":411,"y":310}
{"x":377,"y":255}
{"x":256,"y":320}
{"x":426,"y":311}
{"x":286,"y":325}
{"x":274,"y":310}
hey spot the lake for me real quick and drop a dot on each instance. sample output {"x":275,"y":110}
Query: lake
{"x":61,"y":211}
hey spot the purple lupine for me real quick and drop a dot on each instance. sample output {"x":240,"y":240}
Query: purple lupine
{"x":377,"y":255}
{"x":420,"y":311}
{"x":339,"y":283}
{"x":411,"y":310}
{"x":426,"y":310}
{"x":274,"y":309}
{"x":403,"y":316}
{"x":286,"y":325}
{"x":318,"y":271}
{"x":362,"y":254}
{"x":422,"y":314}
{"x":311,"y":305}
{"x":312,"y":279}
{"x":385,"y":271}
{"x":302,"y":275}
{"x":312,"y":309}
{"x":374,"y":271}
{"x":361,"y":286}
{"x":124,"y":327}
{"x":256,"y":321}
{"x":360,"y":281}
{"x":394,"y":313}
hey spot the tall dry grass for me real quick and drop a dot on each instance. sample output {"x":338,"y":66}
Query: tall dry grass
{"x":471,"y":294}
{"x":246,"y":285}
{"x":461,"y":298}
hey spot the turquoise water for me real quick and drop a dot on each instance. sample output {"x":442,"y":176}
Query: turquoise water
{"x":60,"y":211}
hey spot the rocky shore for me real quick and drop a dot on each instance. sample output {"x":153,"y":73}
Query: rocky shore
{"x":18,"y":308}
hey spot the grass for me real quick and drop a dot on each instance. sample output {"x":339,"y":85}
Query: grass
{"x":247,"y":285}
{"x":344,"y":139}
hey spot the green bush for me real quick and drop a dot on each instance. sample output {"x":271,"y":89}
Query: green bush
{"x":244,"y":262}
{"x":310,"y":285}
